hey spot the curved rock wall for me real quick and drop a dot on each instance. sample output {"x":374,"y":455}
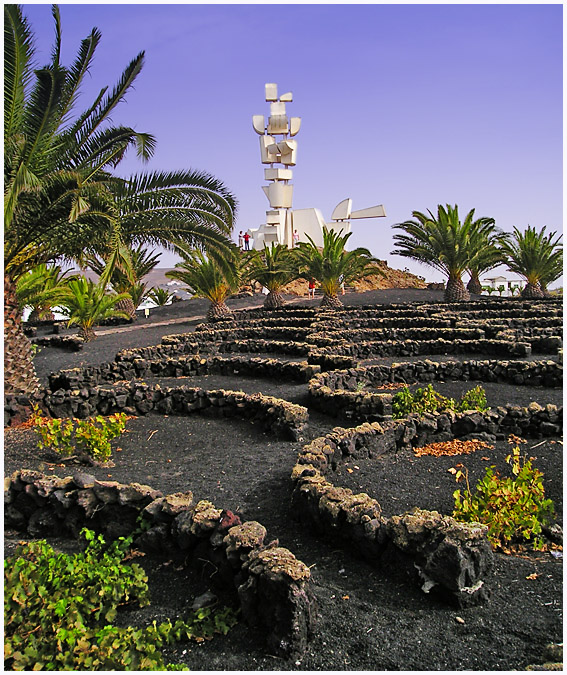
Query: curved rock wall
{"x":270,"y":583}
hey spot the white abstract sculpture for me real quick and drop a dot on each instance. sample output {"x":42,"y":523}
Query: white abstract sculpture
{"x":277,"y":147}
{"x":281,"y":222}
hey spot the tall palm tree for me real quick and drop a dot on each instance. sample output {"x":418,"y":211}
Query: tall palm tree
{"x":85,"y":303}
{"x":485,"y":251}
{"x":333,"y":264}
{"x":206,"y":279}
{"x":441,"y":242}
{"x":535,"y":256}
{"x":60,"y":198}
{"x":273,"y":268}
{"x":52,"y":166}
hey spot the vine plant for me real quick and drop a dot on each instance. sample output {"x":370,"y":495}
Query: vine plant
{"x":59,"y":611}
{"x":89,"y":437}
{"x":426,"y":399}
{"x":514,"y":508}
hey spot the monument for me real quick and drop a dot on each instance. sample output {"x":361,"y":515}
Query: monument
{"x":278,"y":149}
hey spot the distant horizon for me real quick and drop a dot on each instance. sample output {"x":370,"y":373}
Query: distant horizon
{"x":511,"y":276}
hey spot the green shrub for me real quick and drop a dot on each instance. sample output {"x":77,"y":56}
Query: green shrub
{"x":514,"y":508}
{"x":91,"y":437}
{"x":59,"y":609}
{"x":426,"y":399}
{"x":474,"y":399}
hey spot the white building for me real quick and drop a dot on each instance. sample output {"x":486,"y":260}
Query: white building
{"x":495,"y":282}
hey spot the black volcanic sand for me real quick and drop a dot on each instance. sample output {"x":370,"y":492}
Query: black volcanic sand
{"x":370,"y":617}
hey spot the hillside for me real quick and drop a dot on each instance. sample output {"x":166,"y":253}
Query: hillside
{"x":392,"y":278}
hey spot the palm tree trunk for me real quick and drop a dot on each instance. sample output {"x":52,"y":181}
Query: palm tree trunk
{"x":127,"y":305}
{"x":474,"y":285}
{"x":532,"y":291}
{"x":456,"y":291}
{"x":218,"y":310}
{"x":19,"y":371}
{"x":331,"y":302}
{"x":87,"y":333}
{"x":274,"y":300}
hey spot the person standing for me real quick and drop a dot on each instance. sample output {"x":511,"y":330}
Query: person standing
{"x":295,"y":238}
{"x":246,"y":241}
{"x":240,"y":240}
{"x":312,"y":289}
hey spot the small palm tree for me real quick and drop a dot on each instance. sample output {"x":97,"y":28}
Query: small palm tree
{"x":273,"y":268}
{"x":485,"y":252}
{"x":441,"y":242}
{"x":333,"y":264}
{"x":138,"y":294}
{"x":38,"y":290}
{"x":206,"y":279}
{"x":130,"y":267}
{"x":85,"y":303}
{"x":160,"y":296}
{"x":535,"y":256}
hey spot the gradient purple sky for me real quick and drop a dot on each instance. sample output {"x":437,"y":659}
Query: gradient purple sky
{"x":409,"y":106}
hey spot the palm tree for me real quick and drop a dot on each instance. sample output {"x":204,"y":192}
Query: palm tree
{"x":138,"y":293}
{"x":553,"y":270}
{"x":61,"y":200}
{"x":273,"y":268}
{"x":535,"y":256}
{"x":485,"y":251}
{"x":129,"y":270}
{"x":333,"y":264}
{"x":86,"y":304}
{"x":441,"y":242}
{"x":38,"y":288}
{"x":206,"y":279}
{"x":160,"y":296}
{"x":52,"y":166}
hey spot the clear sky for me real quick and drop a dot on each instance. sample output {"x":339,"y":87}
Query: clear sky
{"x":409,"y":106}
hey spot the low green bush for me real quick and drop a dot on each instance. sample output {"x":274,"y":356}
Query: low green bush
{"x":474,"y":399}
{"x":59,"y":610}
{"x":426,"y":399}
{"x":514,"y":508}
{"x":91,"y":437}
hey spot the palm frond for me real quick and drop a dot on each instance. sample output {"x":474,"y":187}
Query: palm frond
{"x":18,"y":72}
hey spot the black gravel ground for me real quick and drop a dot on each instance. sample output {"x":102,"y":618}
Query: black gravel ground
{"x":371,"y":617}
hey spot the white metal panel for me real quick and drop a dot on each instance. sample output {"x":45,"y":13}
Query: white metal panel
{"x":259,"y":123}
{"x":342,"y":210}
{"x":278,"y":174}
{"x":265,"y":143}
{"x":278,"y":124}
{"x":309,"y":222}
{"x":372,"y":212}
{"x":271,"y":91}
{"x":279,"y":194}
{"x":294,"y":125}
